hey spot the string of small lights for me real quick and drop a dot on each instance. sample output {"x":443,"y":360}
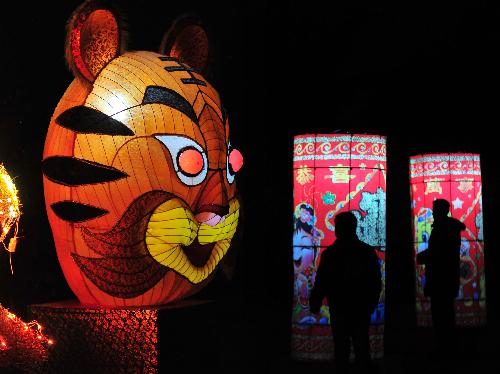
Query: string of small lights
{"x":22,"y":345}
{"x":32,"y":328}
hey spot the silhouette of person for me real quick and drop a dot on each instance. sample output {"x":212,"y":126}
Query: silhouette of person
{"x":349,"y":276}
{"x":442,"y":273}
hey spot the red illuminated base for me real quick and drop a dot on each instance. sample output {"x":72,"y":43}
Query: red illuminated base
{"x":467,"y":313}
{"x":113,"y":340}
{"x":315,"y":342}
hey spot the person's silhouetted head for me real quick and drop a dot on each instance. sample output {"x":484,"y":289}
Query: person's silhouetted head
{"x":345,"y":225}
{"x":440,"y":209}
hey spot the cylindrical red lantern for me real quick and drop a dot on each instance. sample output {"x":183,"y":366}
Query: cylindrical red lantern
{"x":455,"y":177}
{"x":334,"y":173}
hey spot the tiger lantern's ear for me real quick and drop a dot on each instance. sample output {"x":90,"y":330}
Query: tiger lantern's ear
{"x":187,"y":40}
{"x":93,"y":39}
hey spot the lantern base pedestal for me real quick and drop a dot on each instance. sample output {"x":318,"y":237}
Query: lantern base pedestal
{"x":315,"y":342}
{"x":90,"y":339}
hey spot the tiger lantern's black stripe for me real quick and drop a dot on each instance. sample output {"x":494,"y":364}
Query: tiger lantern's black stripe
{"x":178,"y":68}
{"x":168,"y":58}
{"x":72,"y":211}
{"x":162,"y":95}
{"x":193,"y":80}
{"x":71,"y":171}
{"x":87,"y":120}
{"x":183,"y":67}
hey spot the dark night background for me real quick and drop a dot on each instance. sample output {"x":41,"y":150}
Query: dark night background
{"x":425,"y":75}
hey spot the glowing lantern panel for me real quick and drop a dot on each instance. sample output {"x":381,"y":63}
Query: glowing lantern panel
{"x":333,"y":174}
{"x":455,"y":177}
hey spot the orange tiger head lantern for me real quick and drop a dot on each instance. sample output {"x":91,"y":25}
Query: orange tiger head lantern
{"x":138,"y":166}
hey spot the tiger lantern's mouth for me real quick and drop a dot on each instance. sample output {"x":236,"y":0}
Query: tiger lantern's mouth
{"x":198,"y":254}
{"x":158,"y":232}
{"x":191,"y":245}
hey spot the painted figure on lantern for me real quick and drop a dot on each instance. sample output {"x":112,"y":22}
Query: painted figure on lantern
{"x":139,"y":171}
{"x":306,"y":241}
{"x":305,"y":221}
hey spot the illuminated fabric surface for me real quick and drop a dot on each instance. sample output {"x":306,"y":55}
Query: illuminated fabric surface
{"x":455,"y":177}
{"x":333,"y":174}
{"x":139,"y":171}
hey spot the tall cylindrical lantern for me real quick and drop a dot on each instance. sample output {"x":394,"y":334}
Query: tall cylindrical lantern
{"x":333,"y":173}
{"x":455,"y":177}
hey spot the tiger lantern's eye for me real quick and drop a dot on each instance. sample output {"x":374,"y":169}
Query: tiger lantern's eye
{"x":234,"y":163}
{"x":190,"y":161}
{"x":189,"y":158}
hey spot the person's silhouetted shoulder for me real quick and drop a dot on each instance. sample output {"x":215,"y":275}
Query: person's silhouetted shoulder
{"x":455,"y":225}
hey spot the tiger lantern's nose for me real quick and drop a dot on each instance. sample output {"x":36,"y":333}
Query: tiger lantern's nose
{"x":213,"y":202}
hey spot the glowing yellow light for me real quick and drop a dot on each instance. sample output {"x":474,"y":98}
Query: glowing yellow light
{"x":9,"y":211}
